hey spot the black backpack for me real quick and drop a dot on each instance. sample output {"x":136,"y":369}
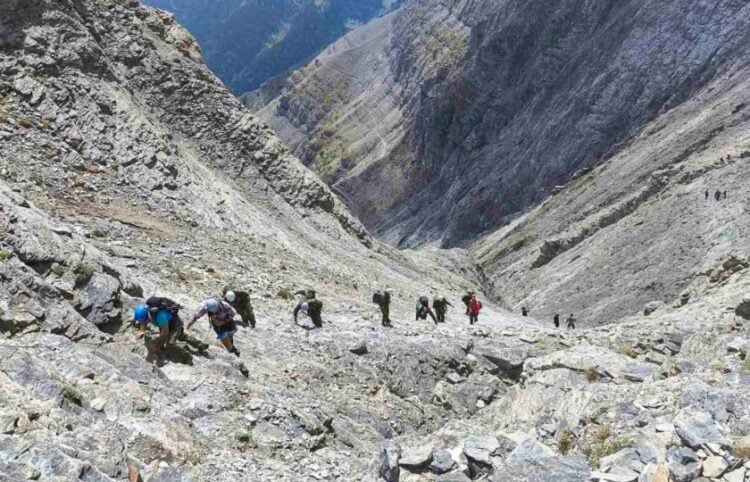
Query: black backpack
{"x":377,"y":297}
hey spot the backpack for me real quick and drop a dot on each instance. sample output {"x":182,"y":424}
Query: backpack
{"x":386,"y":297}
{"x":424,"y":301}
{"x":377,"y":297}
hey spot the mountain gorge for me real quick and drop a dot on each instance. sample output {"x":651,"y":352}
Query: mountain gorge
{"x":463,"y":114}
{"x":127,"y":170}
{"x":248,"y":42}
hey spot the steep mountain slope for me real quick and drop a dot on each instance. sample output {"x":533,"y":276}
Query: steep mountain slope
{"x":248,"y":42}
{"x":483,"y":107}
{"x":126,"y":169}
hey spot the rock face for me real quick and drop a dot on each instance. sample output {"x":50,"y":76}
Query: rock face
{"x":249,"y":42}
{"x":432,"y":108}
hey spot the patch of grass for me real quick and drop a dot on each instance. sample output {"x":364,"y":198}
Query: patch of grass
{"x":741,"y":450}
{"x":592,"y":374}
{"x":596,"y":453}
{"x":84,"y":271}
{"x":628,"y":351}
{"x":746,"y":365}
{"x":98,"y":233}
{"x":285,"y":294}
{"x":71,"y":394}
{"x":565,"y":441}
{"x":45,"y":123}
{"x":602,"y":433}
{"x":717,"y":366}
{"x":5,"y":255}
{"x":25,"y":122}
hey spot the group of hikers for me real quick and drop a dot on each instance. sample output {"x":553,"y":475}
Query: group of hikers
{"x":163,"y":313}
{"x":718,"y":195}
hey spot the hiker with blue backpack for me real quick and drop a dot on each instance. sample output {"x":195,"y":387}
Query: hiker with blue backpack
{"x":164,"y":314}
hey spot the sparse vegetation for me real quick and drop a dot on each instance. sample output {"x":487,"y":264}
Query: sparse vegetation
{"x":592,"y":374}
{"x":285,"y":294}
{"x":628,"y":351}
{"x":602,"y":433}
{"x":25,"y":122}
{"x":5,"y":255}
{"x":565,"y":441}
{"x":741,"y":450}
{"x":84,"y":271}
{"x":609,"y":447}
{"x":71,"y":394}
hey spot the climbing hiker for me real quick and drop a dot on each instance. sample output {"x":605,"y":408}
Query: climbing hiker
{"x":440,"y":305}
{"x":240,"y":301}
{"x":571,"y":322}
{"x":557,"y":320}
{"x":524,"y":311}
{"x":467,"y":299}
{"x":221,"y":318}
{"x":164,"y":314}
{"x":312,"y":307}
{"x":717,"y":195}
{"x":706,"y":194}
{"x":308,"y":294}
{"x":724,"y":194}
{"x":423,"y":309}
{"x":383,"y":300}
{"x":475,"y":306}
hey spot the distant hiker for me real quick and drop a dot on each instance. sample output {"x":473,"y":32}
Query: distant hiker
{"x":717,"y":195}
{"x":557,"y":320}
{"x":383,"y":300}
{"x":725,"y":194}
{"x":312,"y":307}
{"x":440,"y":305}
{"x":706,"y":194}
{"x":524,"y":311}
{"x":423,"y":309}
{"x":164,"y":314}
{"x":221,"y":318}
{"x":571,"y":322}
{"x":475,"y":306}
{"x":467,"y":299}
{"x":240,"y":301}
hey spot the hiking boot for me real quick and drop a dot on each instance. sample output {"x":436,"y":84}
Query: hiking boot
{"x":236,"y":352}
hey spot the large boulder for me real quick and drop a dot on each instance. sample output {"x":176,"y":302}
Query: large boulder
{"x":390,"y":454}
{"x":696,"y":428}
{"x":100,"y":301}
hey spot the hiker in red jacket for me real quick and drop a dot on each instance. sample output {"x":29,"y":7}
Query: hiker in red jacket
{"x":475,"y":307}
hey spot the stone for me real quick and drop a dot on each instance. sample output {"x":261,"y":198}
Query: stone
{"x":735,"y":475}
{"x":100,"y":299}
{"x":614,"y":477}
{"x":508,"y":362}
{"x":98,"y":404}
{"x":714,"y":466}
{"x":442,"y":462}
{"x":651,"y":307}
{"x":416,"y":459}
{"x":697,"y":428}
{"x":453,"y":477}
{"x":655,"y":473}
{"x":390,"y":454}
{"x":8,"y":421}
{"x":480,"y":448}
{"x":738,"y":345}
{"x":359,"y":348}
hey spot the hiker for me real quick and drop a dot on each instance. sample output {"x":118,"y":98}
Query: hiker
{"x":221,"y":318}
{"x":423,"y":309}
{"x":467,"y":299}
{"x":707,"y":194}
{"x":571,"y":322}
{"x":240,"y":301}
{"x":557,"y":320}
{"x":440,"y":305}
{"x":725,"y":194}
{"x":312,"y":307}
{"x":524,"y":311}
{"x":383,"y":300}
{"x":308,"y":294}
{"x":717,"y":195}
{"x":164,"y":314}
{"x":475,"y":306}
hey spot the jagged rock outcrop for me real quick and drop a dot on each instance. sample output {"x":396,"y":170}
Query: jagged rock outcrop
{"x":462,"y":114}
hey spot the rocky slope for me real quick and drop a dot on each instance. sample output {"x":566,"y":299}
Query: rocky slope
{"x":248,"y":42}
{"x":126,"y":169}
{"x":462,"y":114}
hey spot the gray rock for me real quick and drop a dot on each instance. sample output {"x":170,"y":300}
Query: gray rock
{"x":508,"y":362}
{"x":390,"y":454}
{"x":100,"y":303}
{"x":697,"y":428}
{"x":480,"y":448}
{"x":416,"y":459}
{"x":359,"y":348}
{"x":442,"y":461}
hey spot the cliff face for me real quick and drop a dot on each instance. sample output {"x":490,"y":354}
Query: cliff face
{"x":248,"y":42}
{"x":473,"y":111}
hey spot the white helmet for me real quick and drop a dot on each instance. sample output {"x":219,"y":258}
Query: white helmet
{"x":213,"y":305}
{"x":230,"y":296}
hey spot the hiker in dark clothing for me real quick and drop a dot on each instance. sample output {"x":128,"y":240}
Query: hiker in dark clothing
{"x":557,"y":320}
{"x":475,"y":306}
{"x":571,"y":322}
{"x":467,"y":299}
{"x":221,"y":318}
{"x":240,"y":301}
{"x":440,"y":305}
{"x":717,"y":195}
{"x":706,"y":194}
{"x":524,"y":311}
{"x":308,"y":294}
{"x":313,"y":308}
{"x":423,"y":309}
{"x":164,"y":314}
{"x":725,"y":194}
{"x":383,"y":300}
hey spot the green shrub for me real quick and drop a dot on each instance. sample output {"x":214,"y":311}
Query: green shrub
{"x":5,"y":255}
{"x":71,"y":394}
{"x":592,"y":374}
{"x":565,"y":441}
{"x":84,"y":271}
{"x":285,"y":294}
{"x":606,"y":448}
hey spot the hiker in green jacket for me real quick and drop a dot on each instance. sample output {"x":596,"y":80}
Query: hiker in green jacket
{"x":240,"y":301}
